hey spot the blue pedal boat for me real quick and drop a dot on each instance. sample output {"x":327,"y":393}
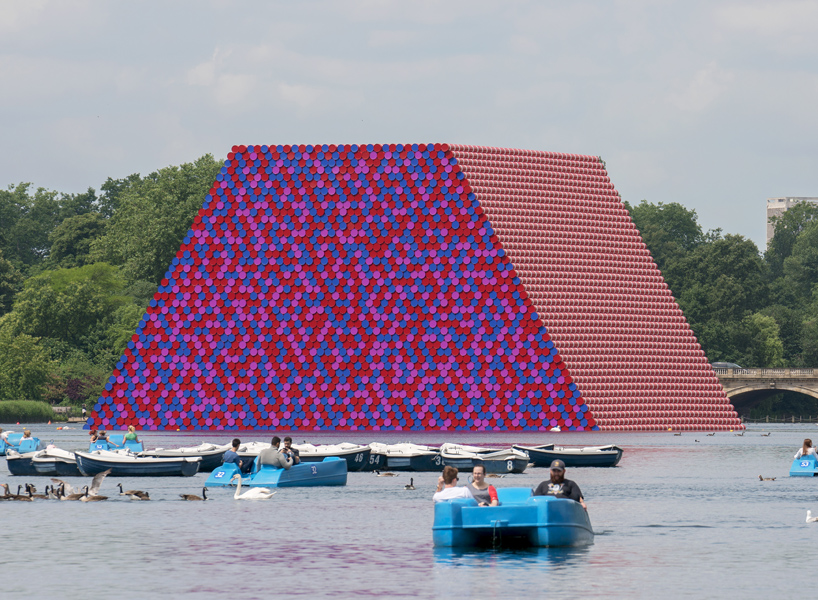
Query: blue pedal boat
{"x":20,"y":445}
{"x":806,"y":466}
{"x":330,"y":471}
{"x":520,"y":520}
{"x":116,"y":441}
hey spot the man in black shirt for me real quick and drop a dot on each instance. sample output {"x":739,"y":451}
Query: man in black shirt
{"x":559,"y":486}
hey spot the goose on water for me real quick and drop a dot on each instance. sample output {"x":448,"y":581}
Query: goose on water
{"x":711,"y":434}
{"x":94,"y":498}
{"x":760,"y":478}
{"x":73,"y":495}
{"x":30,"y":490}
{"x":134,"y":494}
{"x":810,"y":518}
{"x":766,"y":434}
{"x":385,"y":474}
{"x":252,"y":493}
{"x":18,"y":497}
{"x":193,"y":497}
{"x":410,"y":485}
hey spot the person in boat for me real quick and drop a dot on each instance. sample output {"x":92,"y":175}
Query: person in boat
{"x":232,"y":455}
{"x":275,"y":457}
{"x":26,"y":434}
{"x":559,"y":486}
{"x":4,"y":436}
{"x":130,"y":436}
{"x":292,"y":452}
{"x":806,"y":449}
{"x":485,"y":494}
{"x":447,"y":486}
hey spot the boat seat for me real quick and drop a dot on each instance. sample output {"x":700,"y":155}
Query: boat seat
{"x":513,"y":495}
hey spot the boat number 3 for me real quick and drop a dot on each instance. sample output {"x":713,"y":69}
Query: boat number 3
{"x":510,"y":465}
{"x":437,"y":460}
{"x":219,"y":475}
{"x":804,"y":463}
{"x":359,"y":458}
{"x":314,"y":470}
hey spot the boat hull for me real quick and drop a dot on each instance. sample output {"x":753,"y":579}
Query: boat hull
{"x":542,"y":456}
{"x":90,"y":465}
{"x":520,"y":520}
{"x":417,"y":463}
{"x":56,"y":467}
{"x":356,"y":460}
{"x":467,"y":463}
{"x":210,"y":460}
{"x":331,"y":471}
{"x":21,"y":464}
{"x":376,"y":462}
{"x":806,"y":466}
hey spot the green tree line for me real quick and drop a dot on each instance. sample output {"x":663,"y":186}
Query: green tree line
{"x":78,"y":270}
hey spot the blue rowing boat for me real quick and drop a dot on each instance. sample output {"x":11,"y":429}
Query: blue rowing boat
{"x":520,"y":520}
{"x":330,"y":471}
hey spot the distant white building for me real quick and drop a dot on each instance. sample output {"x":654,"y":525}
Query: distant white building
{"x":777,"y":206}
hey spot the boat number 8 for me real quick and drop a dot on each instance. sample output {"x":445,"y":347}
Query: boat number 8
{"x":510,"y":465}
{"x":314,"y":470}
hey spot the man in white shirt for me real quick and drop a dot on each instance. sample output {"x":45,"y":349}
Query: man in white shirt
{"x":447,"y":486}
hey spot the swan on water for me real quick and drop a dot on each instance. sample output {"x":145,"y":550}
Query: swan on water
{"x":252,"y":493}
{"x":193,"y":497}
{"x":810,"y":518}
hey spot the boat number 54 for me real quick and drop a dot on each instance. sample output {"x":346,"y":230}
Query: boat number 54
{"x":510,"y":465}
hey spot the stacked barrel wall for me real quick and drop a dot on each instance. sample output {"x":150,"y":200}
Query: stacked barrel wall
{"x":597,"y":290}
{"x":407,"y":287}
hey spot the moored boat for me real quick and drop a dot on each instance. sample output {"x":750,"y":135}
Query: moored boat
{"x":56,"y":461}
{"x":355,"y":455}
{"x":127,"y":464}
{"x":409,"y":457}
{"x":21,"y":463}
{"x":465,"y":458}
{"x":210,"y":454}
{"x":573,"y":456}
{"x":520,"y":520}
{"x":330,"y":471}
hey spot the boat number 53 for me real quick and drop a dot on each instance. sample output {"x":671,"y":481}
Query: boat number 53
{"x":804,"y":463}
{"x":510,"y":465}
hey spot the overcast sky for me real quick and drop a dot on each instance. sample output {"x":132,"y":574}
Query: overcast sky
{"x":710,"y":104}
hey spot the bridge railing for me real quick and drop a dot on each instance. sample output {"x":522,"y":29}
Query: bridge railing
{"x":765,"y":373}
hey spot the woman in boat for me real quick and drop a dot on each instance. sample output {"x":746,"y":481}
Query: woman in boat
{"x":131,"y":435}
{"x":484,"y":493}
{"x":806,"y":449}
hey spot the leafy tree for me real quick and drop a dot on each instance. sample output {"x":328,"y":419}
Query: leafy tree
{"x":791,"y":328}
{"x":71,"y":240}
{"x":25,"y":222}
{"x":761,"y":341}
{"x":801,"y":267}
{"x":152,"y":218}
{"x":68,"y":303}
{"x":25,"y":367}
{"x":788,"y":226}
{"x":11,"y":281}
{"x":670,"y":231}
{"x":77,"y":379}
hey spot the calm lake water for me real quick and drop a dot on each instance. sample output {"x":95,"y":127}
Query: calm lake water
{"x":682,"y":516}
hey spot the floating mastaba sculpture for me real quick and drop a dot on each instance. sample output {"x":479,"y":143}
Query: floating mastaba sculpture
{"x":418,"y":286}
